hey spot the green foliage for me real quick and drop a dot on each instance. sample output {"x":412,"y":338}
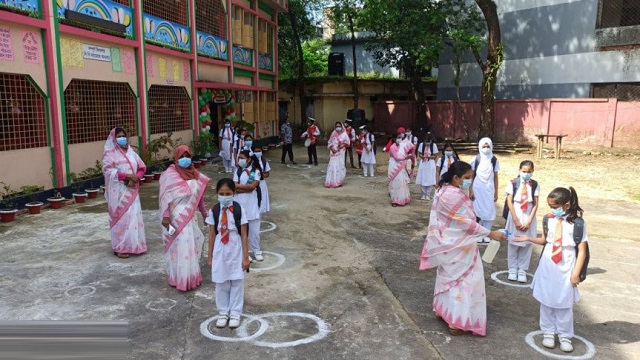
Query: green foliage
{"x":250,"y":127}
{"x":30,"y":189}
{"x":86,"y":174}
{"x":6,"y":191}
{"x":316,"y":56}
{"x":203,"y":144}
{"x":291,"y":35}
{"x":151,"y":154}
{"x":345,"y":13}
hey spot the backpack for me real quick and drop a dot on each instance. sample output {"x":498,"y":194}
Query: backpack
{"x":258,"y":190}
{"x":578,"y":233}
{"x":237,"y":216}
{"x":494,"y":161}
{"x":455,"y":158}
{"x":516,"y":185}
{"x":431,"y":144}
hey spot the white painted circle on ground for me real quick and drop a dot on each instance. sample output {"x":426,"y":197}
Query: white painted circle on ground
{"x":591,"y":349}
{"x":161,"y":304}
{"x":80,"y":291}
{"x":299,"y":166}
{"x":494,"y":276}
{"x":323,"y":330}
{"x":204,"y":329}
{"x":272,"y":226}
{"x":280,"y":259}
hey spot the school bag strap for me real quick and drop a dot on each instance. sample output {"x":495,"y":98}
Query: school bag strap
{"x":494,"y":161}
{"x":578,"y":234}
{"x":516,"y":186}
{"x":258,"y":190}
{"x":237,"y":216}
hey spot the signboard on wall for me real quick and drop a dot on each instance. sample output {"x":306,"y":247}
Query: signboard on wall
{"x":94,"y":52}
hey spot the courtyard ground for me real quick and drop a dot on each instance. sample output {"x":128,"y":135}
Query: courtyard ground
{"x":344,"y":281}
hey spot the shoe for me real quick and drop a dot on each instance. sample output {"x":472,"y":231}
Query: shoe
{"x":565,"y":344}
{"x":294,"y":163}
{"x":258,"y":256}
{"x":283,"y":162}
{"x":513,"y":275}
{"x":522,"y":276}
{"x":428,"y":198}
{"x":309,"y":163}
{"x":222,"y":321}
{"x":423,"y":197}
{"x":549,"y":341}
{"x":234,"y":321}
{"x":485,"y":240}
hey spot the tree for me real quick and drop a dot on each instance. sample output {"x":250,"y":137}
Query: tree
{"x":316,"y":56}
{"x":489,"y":67}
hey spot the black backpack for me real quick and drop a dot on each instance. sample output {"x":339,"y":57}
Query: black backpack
{"x":373,"y":144}
{"x":516,"y":185}
{"x":455,"y":158}
{"x":258,"y":190}
{"x":578,"y":233}
{"x":237,"y":216}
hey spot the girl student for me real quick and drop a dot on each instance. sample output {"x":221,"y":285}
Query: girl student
{"x":522,"y":202}
{"x":555,"y":283}
{"x":484,"y":189}
{"x":443,"y":163}
{"x":266,"y":169}
{"x":368,"y":143}
{"x":248,"y":195}
{"x":228,"y":253}
{"x":226,"y":146}
{"x":426,"y":177}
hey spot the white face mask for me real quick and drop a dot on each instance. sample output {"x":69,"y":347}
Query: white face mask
{"x":338,"y":129}
{"x":398,"y":140}
{"x":242,"y":163}
{"x":486,"y":151}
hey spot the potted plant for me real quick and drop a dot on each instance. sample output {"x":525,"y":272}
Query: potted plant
{"x":34,"y":206}
{"x":151,"y":155}
{"x":79,"y":195}
{"x":8,"y":213}
{"x":148,"y":178}
{"x":56,"y":201}
{"x":92,"y":192}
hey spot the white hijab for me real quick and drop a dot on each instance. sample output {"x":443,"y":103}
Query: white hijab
{"x":485,"y":169}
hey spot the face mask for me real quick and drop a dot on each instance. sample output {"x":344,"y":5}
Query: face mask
{"x":248,"y":143}
{"x":466,"y":183}
{"x":486,"y":151}
{"x":122,"y":141}
{"x":398,"y":140}
{"x":225,"y":201}
{"x":227,"y":125}
{"x":559,"y":212}
{"x":309,"y":124}
{"x":525,"y":176}
{"x":242,"y":163}
{"x":338,"y":129}
{"x":184,"y":162}
{"x":407,"y":133}
{"x":258,"y":154}
{"x":448,"y":153}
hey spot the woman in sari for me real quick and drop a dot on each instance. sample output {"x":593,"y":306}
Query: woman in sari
{"x":182,"y":190}
{"x":451,"y":247}
{"x":336,"y":171}
{"x":123,"y":169}
{"x":399,"y":153}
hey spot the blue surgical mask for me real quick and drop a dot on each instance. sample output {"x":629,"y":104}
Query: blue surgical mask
{"x":525,"y":176}
{"x":184,"y":162}
{"x":466,"y":184}
{"x":258,"y":154}
{"x":242,"y":163}
{"x":248,"y":143}
{"x":448,"y":153}
{"x":225,"y":201}
{"x":227,"y":125}
{"x":122,"y":141}
{"x":559,"y":212}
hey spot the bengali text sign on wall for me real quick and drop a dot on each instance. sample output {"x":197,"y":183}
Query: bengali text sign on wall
{"x":93,"y":52}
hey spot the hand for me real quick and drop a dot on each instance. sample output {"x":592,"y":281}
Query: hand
{"x":518,"y":224}
{"x":497,"y":235}
{"x":166,"y":223}
{"x":526,"y":226}
{"x":131,"y":184}
{"x":520,"y":238}
{"x":134,"y":178}
{"x":246,"y":263}
{"x":209,"y":261}
{"x":471,"y":196}
{"x":575,"y":279}
{"x":495,"y":197}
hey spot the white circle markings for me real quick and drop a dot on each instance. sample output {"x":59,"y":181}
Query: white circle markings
{"x":162,"y":304}
{"x":299,"y":166}
{"x":495,"y":278}
{"x":80,"y":291}
{"x":204,"y":329}
{"x":591,"y":349}
{"x":272,"y":226}
{"x":280,"y":259}
{"x":323,"y":330}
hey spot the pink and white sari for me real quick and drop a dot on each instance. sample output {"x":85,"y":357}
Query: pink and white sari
{"x":397,"y":172}
{"x":125,"y":214}
{"x":451,"y":247}
{"x":336,"y":170}
{"x":180,"y":199}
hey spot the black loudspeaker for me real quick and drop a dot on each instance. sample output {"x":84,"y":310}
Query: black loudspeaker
{"x":336,"y":64}
{"x":357,"y":115}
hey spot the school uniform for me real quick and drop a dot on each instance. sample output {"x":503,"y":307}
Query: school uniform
{"x":226,"y":148}
{"x":519,"y":253}
{"x":484,"y":185}
{"x":445,"y":164}
{"x":426,"y":177}
{"x":264,"y":203}
{"x":552,"y":282}
{"x":249,"y":203}
{"x":226,"y":264}
{"x":368,"y":157}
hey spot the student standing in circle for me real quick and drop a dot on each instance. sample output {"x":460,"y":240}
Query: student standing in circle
{"x":484,"y":189}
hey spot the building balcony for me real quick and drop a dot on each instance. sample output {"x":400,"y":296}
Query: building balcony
{"x":106,"y":16}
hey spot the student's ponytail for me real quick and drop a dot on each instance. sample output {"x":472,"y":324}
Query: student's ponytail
{"x":575,"y":210}
{"x":458,"y":168}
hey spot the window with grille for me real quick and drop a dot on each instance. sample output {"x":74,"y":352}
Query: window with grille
{"x":93,"y":108}
{"x":22,"y":114}
{"x":168,"y":109}
{"x":171,"y":10}
{"x":620,"y":91}
{"x":618,"y":13}
{"x":211,"y":17}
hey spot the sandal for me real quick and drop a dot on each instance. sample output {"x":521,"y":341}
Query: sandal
{"x":121,"y":255}
{"x":456,"y":332}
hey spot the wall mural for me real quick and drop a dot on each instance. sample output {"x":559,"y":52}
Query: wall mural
{"x":165,"y":33}
{"x":101,"y":9}
{"x":211,"y":46}
{"x":265,"y":62}
{"x":242,"y":56}
{"x":28,"y":6}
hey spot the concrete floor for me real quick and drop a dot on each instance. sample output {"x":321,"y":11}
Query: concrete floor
{"x":348,"y":284}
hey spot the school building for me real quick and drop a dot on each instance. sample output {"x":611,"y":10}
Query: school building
{"x":71,"y":70}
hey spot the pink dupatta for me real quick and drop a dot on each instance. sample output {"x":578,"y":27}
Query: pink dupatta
{"x":172,"y":189}
{"x":116,"y":159}
{"x":399,"y":153}
{"x":337,"y":139}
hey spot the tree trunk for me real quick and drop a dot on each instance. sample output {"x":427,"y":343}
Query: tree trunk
{"x":456,"y":82}
{"x":300,"y":78}
{"x":356,"y":95}
{"x":489,"y":68}
{"x":418,"y":96}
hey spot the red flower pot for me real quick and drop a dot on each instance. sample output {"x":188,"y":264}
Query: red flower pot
{"x":92,"y":193}
{"x":203,"y":162}
{"x":156,"y":175}
{"x":8,"y":215}
{"x":56,"y":203}
{"x":148,"y":178}
{"x":34,"y":207}
{"x":80,"y":197}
